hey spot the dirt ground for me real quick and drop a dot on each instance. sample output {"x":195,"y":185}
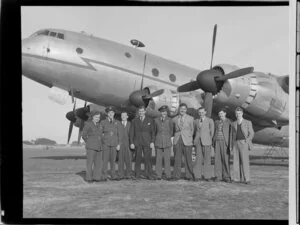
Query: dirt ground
{"x":54,"y":187}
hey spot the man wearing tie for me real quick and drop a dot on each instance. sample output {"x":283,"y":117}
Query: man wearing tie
{"x":242,"y":143}
{"x":163,"y":142}
{"x":203,"y":141}
{"x":183,"y":142}
{"x":112,"y":139}
{"x":125,"y":152}
{"x":142,"y":140}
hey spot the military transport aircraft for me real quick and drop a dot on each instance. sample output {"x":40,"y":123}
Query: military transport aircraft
{"x":105,"y":73}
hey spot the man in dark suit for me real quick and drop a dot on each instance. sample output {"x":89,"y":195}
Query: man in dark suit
{"x":163,"y":142}
{"x":125,"y":152}
{"x":91,"y":134}
{"x":222,"y":142}
{"x":204,"y":127}
{"x":112,"y":139}
{"x":183,"y":142}
{"x":142,"y":140}
{"x":242,"y":136}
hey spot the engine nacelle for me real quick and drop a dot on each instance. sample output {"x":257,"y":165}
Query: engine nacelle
{"x":173,"y":99}
{"x":258,"y":93}
{"x":169,"y":98}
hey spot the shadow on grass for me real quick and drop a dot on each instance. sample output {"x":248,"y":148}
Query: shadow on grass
{"x":254,"y":160}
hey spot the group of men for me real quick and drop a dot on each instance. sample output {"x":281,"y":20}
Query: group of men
{"x":143,"y":135}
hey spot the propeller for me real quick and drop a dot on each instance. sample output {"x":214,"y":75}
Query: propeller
{"x":71,"y":123}
{"x":211,"y":81}
{"x":81,"y":126}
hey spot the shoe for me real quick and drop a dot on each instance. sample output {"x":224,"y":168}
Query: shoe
{"x":197,"y":179}
{"x":175,"y":179}
{"x":158,"y":178}
{"x":168,"y":179}
{"x":90,"y":181}
{"x":247,"y":182}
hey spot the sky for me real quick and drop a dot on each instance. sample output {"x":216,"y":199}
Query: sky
{"x":246,"y":36}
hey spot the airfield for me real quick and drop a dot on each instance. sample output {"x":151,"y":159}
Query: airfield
{"x":54,"y":187}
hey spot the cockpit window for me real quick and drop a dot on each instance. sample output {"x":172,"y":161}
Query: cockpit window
{"x":43,"y":32}
{"x":60,"y":35}
{"x":49,"y":33}
{"x":53,"y":34}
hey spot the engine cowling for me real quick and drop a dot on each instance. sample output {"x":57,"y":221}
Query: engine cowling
{"x":258,"y":93}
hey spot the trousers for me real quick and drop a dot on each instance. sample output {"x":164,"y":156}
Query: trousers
{"x":147,"y":152}
{"x":241,"y":166}
{"x":109,"y":154}
{"x":124,"y":160}
{"x":203,"y":161}
{"x":94,"y":162}
{"x":222,"y":157}
{"x":181,"y":149}
{"x":163,"y":154}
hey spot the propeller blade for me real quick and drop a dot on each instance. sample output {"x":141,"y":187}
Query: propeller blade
{"x":70,"y":131}
{"x":142,"y":82}
{"x":191,"y":86}
{"x":154,"y":94}
{"x":208,"y":103}
{"x":213,"y":44}
{"x":235,"y":74}
{"x":79,"y":132}
{"x":71,"y":123}
{"x":72,"y":95}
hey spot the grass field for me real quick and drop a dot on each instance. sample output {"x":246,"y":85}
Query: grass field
{"x":54,"y":188}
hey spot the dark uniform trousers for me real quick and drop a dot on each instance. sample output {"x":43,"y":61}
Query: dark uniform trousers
{"x":241,"y":167}
{"x":125,"y":152}
{"x":111,"y":138}
{"x":163,"y":132}
{"x":181,"y":149}
{"x":91,"y":134}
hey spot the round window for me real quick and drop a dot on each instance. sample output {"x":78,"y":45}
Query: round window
{"x":155,"y":72}
{"x":79,"y":50}
{"x":127,"y":54}
{"x":172,"y":77}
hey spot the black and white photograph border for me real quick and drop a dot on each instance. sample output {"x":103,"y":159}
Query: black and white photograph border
{"x":54,"y":175}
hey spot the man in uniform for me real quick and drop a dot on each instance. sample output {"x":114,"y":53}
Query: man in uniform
{"x":222,"y":142}
{"x":112,"y":137}
{"x":163,"y":142}
{"x":242,"y":143}
{"x":183,"y":141}
{"x":125,"y":152}
{"x":142,"y":140}
{"x":203,"y":140}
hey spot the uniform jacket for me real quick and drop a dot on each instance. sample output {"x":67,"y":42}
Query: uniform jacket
{"x":186,"y":131}
{"x":227,"y":132}
{"x":91,"y":134}
{"x":247,"y":131}
{"x":125,"y":134}
{"x":205,"y":132}
{"x":142,"y":133}
{"x":163,"y":132}
{"x":111,"y":132}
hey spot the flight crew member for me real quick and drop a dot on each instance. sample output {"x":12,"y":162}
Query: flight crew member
{"x":222,"y":142}
{"x":163,"y":142}
{"x":91,"y":134}
{"x":204,"y":127}
{"x":142,"y":140}
{"x":183,"y":142}
{"x":242,"y":143}
{"x":125,"y":152}
{"x":112,"y":138}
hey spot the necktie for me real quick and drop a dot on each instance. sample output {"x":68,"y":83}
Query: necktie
{"x":124,"y":123}
{"x":110,"y":121}
{"x":141,"y":119}
{"x":181,"y":121}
